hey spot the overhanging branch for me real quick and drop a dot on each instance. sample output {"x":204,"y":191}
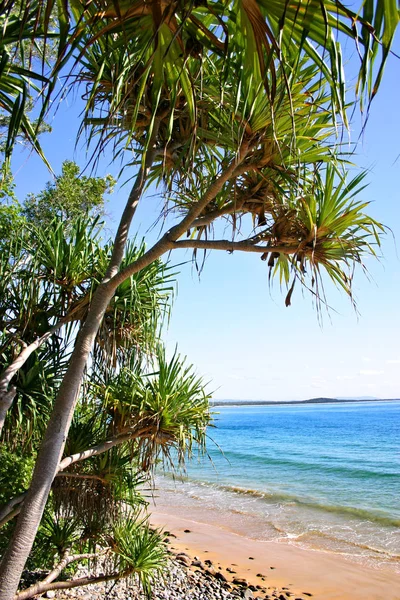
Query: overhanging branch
{"x":13,"y":507}
{"x":230,"y":246}
{"x":166,"y":242}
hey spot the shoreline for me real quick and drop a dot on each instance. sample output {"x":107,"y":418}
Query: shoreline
{"x":244,"y":403}
{"x":303,"y":572}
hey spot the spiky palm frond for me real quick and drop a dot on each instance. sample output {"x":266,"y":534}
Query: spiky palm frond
{"x":327,"y":229}
{"x":166,"y":411}
{"x":138,"y":549}
{"x":140,"y":59}
{"x":140,"y":305}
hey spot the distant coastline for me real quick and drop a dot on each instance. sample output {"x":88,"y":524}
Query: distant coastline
{"x":216,"y":403}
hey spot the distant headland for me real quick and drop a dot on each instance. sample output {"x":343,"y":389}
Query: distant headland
{"x":298,"y":402}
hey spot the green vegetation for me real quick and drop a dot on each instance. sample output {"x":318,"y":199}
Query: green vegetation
{"x":137,"y":407}
{"x":235,"y":110}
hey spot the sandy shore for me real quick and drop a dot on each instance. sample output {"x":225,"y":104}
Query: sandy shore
{"x":304,"y":573}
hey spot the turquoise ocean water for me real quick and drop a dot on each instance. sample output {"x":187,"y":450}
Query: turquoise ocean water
{"x":322,"y":476}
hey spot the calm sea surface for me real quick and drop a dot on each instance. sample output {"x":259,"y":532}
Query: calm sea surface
{"x":325,"y":477}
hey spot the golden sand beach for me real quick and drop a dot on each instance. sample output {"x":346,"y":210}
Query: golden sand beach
{"x":304,"y":573}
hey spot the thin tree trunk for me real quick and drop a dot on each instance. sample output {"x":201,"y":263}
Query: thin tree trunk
{"x":43,"y":586}
{"x":53,"y":443}
{"x":6,"y":400}
{"x":7,"y":393}
{"x":67,"y":585}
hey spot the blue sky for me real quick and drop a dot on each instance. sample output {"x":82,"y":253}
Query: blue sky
{"x":234,"y":328}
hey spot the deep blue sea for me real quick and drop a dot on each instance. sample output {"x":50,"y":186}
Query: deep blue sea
{"x":323,"y":476}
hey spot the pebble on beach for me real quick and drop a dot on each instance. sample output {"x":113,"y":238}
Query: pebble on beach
{"x":185,"y":579}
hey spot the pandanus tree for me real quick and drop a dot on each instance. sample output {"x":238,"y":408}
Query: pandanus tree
{"x":137,"y":406}
{"x":233,"y":108}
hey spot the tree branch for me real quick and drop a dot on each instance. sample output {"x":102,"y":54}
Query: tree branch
{"x":8,"y":511}
{"x":229,"y":246}
{"x":131,"y":205}
{"x":229,"y":209}
{"x":7,"y":395}
{"x":166,"y":242}
{"x":102,"y":447}
{"x":43,"y":586}
{"x":82,"y":476}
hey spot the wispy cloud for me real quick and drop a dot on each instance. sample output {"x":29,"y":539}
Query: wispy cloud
{"x":344,"y":377}
{"x":371,"y":372}
{"x":393,"y":361}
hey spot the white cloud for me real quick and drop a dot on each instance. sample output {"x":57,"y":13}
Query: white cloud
{"x":366,"y":359}
{"x":371,"y":372}
{"x":393,"y":361}
{"x":344,"y":377}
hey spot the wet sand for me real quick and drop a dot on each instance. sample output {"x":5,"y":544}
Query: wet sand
{"x":305,"y":573}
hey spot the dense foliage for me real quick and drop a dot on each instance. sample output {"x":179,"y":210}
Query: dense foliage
{"x":136,"y":407}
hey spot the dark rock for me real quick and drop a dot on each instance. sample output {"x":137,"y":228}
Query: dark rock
{"x":252,"y":588}
{"x":220,"y":576}
{"x":187,"y":531}
{"x":272,"y":567}
{"x":307,"y":594}
{"x":251,"y":558}
{"x":239,"y":581}
{"x":230,"y":570}
{"x":184,"y":560}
